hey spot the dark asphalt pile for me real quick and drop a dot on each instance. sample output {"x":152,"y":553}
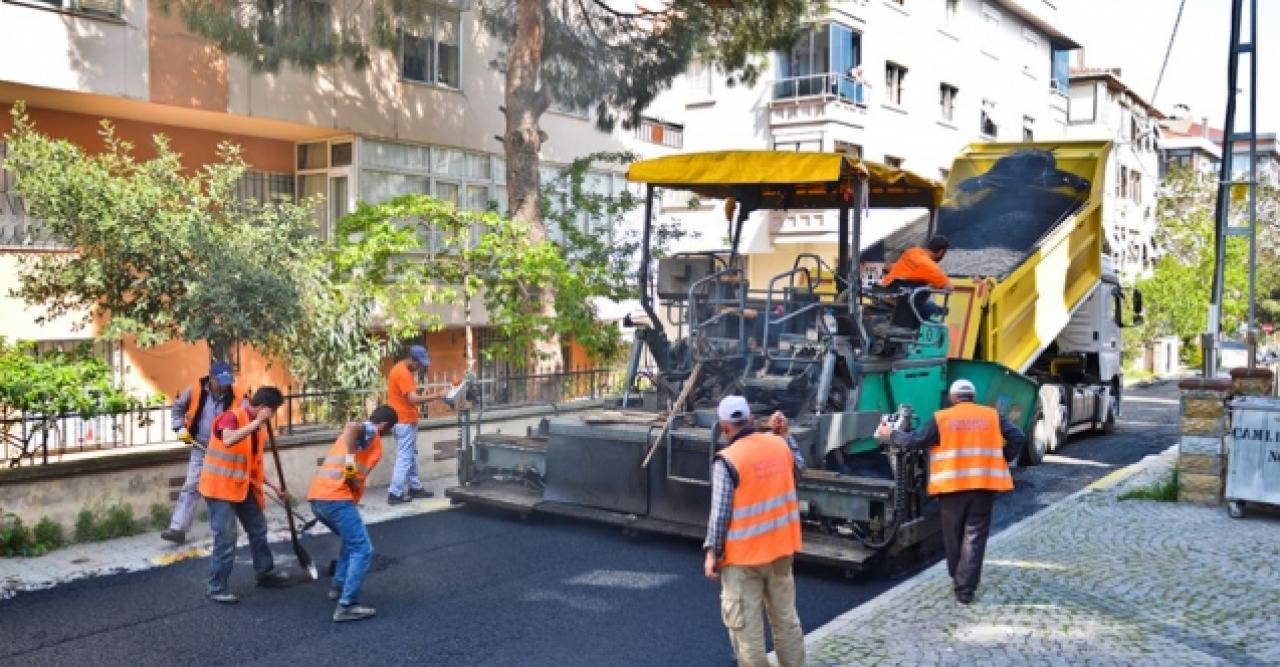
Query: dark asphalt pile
{"x":994,"y":235}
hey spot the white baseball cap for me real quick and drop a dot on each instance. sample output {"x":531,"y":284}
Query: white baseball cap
{"x":962,"y":387}
{"x":734,"y":409}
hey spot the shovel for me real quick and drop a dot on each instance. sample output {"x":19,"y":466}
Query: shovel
{"x":304,"y":558}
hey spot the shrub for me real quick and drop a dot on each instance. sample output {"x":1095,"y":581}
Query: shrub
{"x":97,"y":524}
{"x":86,"y":526}
{"x":159,"y":516}
{"x":48,"y":533}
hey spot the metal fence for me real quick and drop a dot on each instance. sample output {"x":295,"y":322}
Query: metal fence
{"x":34,"y":439}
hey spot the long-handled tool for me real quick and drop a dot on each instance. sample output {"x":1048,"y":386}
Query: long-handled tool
{"x":675,"y":410}
{"x":304,"y":558}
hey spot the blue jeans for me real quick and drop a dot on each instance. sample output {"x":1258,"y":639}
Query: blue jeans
{"x":343,"y":518}
{"x":222,"y":518}
{"x":406,"y":468}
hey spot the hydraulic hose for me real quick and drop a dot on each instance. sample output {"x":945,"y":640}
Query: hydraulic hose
{"x":900,"y":489}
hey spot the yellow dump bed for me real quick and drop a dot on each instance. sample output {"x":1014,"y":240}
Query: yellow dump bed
{"x":1025,"y":220}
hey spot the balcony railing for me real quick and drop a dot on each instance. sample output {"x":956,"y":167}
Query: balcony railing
{"x":827,"y":86}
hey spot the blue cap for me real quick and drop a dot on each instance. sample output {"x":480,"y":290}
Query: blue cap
{"x":419,"y":354}
{"x":220,"y":372}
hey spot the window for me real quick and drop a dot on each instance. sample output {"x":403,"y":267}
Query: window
{"x":986,"y":121}
{"x":340,"y":154}
{"x":951,"y":12}
{"x":1031,"y":48}
{"x":313,"y":156}
{"x":700,"y":80}
{"x":947,"y":98}
{"x":852,"y":150}
{"x":658,"y":132}
{"x":824,"y":62}
{"x":895,"y":162}
{"x":1028,"y":128}
{"x":16,"y":227}
{"x":1060,"y":70}
{"x":430,"y":51}
{"x":990,"y":28}
{"x":894,"y":76}
{"x":811,"y":146}
{"x":264,"y":187}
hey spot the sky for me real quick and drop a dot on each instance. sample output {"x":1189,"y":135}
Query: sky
{"x":1133,"y":35}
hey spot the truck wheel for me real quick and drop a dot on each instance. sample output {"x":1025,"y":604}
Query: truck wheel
{"x":1038,"y":444}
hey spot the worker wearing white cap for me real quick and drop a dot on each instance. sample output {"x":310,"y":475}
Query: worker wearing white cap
{"x":753,"y":534}
{"x":970,"y":445}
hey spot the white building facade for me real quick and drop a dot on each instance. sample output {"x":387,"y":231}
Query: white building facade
{"x":1103,"y":107}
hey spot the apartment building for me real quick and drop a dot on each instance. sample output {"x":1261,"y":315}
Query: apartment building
{"x":1102,"y":106}
{"x":903,"y":82}
{"x":420,"y":118}
{"x":1188,"y":144}
{"x":1268,"y":159}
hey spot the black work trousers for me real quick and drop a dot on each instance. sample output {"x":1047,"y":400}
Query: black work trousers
{"x":966,"y":522}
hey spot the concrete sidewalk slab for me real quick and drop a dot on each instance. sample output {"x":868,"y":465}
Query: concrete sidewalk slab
{"x":1090,"y":580}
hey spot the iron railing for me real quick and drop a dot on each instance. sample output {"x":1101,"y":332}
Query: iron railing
{"x":826,"y":85}
{"x":35,"y":439}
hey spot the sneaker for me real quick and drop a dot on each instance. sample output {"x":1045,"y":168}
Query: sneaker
{"x":335,"y":593}
{"x":964,"y":598}
{"x":421,"y":493}
{"x":223,"y":597}
{"x":393,"y":499}
{"x":273,"y":579}
{"x":354,"y":612}
{"x":175,"y":536}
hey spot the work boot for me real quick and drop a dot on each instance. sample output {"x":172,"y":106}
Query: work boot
{"x":393,"y":499}
{"x":964,"y":597}
{"x":273,"y":579}
{"x":353,"y":612}
{"x":223,"y":597}
{"x":175,"y":536}
{"x":421,"y":493}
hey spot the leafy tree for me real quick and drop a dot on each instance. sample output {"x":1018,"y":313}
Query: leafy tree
{"x":1177,"y":292}
{"x":162,"y":254}
{"x":577,"y":53}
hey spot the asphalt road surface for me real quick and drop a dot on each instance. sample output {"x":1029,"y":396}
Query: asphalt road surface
{"x":468,"y":587}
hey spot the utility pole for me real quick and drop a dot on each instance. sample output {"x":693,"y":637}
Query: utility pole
{"x":1222,"y":212}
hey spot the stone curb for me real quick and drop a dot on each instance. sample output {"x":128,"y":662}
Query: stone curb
{"x":906,"y":587}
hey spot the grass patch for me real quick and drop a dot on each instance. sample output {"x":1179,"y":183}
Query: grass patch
{"x":1162,"y":491}
{"x":159,"y":516}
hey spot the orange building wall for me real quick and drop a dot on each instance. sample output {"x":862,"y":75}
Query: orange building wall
{"x":198,"y":147}
{"x":185,"y":70}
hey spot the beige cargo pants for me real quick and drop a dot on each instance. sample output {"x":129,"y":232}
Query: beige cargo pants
{"x":746,"y":595}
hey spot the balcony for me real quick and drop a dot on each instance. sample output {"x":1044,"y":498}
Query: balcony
{"x":816,"y":98}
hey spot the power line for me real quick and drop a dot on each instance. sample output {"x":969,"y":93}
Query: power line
{"x":1168,"y":50}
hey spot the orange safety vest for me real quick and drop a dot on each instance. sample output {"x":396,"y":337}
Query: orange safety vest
{"x":915,"y":265}
{"x":328,"y":483}
{"x":195,"y":402}
{"x":765,"y":525}
{"x":970,"y":452}
{"x":231,"y":471}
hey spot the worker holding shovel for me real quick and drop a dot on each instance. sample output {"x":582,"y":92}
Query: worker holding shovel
{"x":335,"y":493}
{"x":231,"y":482}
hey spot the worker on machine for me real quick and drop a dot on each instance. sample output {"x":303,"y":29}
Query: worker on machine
{"x":918,"y":267}
{"x":753,"y":533}
{"x":335,"y":494}
{"x":970,"y":447}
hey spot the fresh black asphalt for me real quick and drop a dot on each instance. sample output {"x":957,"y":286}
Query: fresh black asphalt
{"x":470,"y":587}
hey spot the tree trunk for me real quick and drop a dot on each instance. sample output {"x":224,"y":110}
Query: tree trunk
{"x":522,"y":142}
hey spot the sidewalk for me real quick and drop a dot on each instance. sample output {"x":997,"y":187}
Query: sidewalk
{"x":147,"y":550}
{"x":1091,"y":580}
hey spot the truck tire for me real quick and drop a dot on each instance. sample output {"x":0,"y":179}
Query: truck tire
{"x":1039,"y":442}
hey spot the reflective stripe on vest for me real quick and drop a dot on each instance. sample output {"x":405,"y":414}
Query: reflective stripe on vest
{"x":765,"y":523}
{"x":329,"y":483}
{"x":231,"y":472}
{"x":970,"y":453}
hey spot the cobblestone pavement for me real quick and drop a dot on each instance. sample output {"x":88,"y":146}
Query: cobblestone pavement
{"x":147,"y":550}
{"x":1093,"y":580}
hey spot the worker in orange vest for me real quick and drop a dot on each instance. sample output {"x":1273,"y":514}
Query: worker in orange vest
{"x":753,"y":533}
{"x":970,"y":447}
{"x":193,"y":413}
{"x":918,"y":267}
{"x":232,"y":483}
{"x":335,"y":493}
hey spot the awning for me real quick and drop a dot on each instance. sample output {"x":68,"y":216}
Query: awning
{"x":787,"y":179}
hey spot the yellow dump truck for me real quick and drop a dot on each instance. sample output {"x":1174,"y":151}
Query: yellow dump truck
{"x":1032,"y":288}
